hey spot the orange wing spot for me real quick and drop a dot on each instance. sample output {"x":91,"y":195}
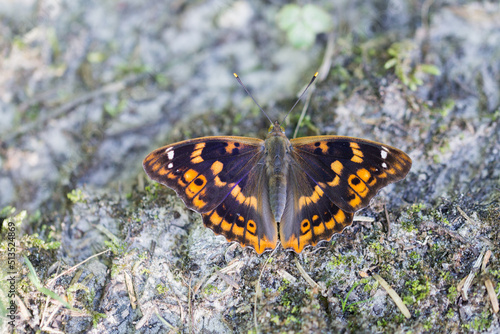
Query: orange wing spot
{"x":149,"y":158}
{"x":305,"y":226}
{"x":229,"y":148}
{"x":190,"y":174}
{"x":225,"y":225}
{"x":297,"y":245}
{"x":339,"y":217}
{"x":219,"y":183}
{"x":330,"y":224}
{"x":335,"y":182}
{"x":156,"y":166}
{"x":365,"y":175}
{"x":356,"y":201}
{"x":196,"y":154}
{"x":398,"y":166}
{"x":240,"y":198}
{"x":199,"y":203}
{"x":197,"y":160}
{"x":323,"y":147}
{"x":199,"y":147}
{"x":215,"y":219}
{"x":357,"y":152}
{"x":194,"y":187}
{"x":217,"y":167}
{"x":320,"y":229}
{"x":337,"y":167}
{"x":239,"y":231}
{"x":260,"y":245}
{"x":251,"y":226}
{"x":314,"y":198}
{"x":356,"y":159}
{"x":163,"y":171}
{"x":354,"y":145}
{"x":315,"y":217}
{"x":358,"y":155}
{"x":360,"y":188}
{"x":252,"y":201}
{"x":391,"y":171}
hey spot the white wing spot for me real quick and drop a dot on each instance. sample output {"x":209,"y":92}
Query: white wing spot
{"x":170,"y":165}
{"x":170,"y":154}
{"x":384,"y":165}
{"x":383,"y":154}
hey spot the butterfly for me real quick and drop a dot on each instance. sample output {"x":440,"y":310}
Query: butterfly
{"x":253,"y":191}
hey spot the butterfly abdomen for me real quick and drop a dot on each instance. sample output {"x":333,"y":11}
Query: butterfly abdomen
{"x":277,"y":162}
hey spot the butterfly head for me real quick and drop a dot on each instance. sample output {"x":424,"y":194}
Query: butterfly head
{"x":276,"y":128}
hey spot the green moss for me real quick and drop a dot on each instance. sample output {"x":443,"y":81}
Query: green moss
{"x":405,"y":68}
{"x":415,"y":262}
{"x":452,"y":293}
{"x":413,"y":217}
{"x":162,"y":289}
{"x":210,"y":289}
{"x":338,"y":260}
{"x":76,"y":196}
{"x":418,"y":290}
{"x":479,"y":323}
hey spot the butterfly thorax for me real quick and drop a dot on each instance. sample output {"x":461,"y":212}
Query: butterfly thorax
{"x":277,"y":162}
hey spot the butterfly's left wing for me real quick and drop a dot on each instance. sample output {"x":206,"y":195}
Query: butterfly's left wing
{"x":222,"y":178}
{"x":330,"y":178}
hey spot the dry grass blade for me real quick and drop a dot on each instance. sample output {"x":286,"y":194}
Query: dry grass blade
{"x":472,"y":274}
{"x":130,"y":290}
{"x":228,"y":279}
{"x":306,"y":276}
{"x":492,"y":295}
{"x":395,"y":297}
{"x":74,"y":267}
{"x":486,"y":259}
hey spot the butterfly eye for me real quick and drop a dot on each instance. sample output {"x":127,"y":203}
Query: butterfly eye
{"x":282,"y":129}
{"x":271,"y":128}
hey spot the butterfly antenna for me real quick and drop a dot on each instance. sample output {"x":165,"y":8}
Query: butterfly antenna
{"x":301,"y":95}
{"x":246,"y":90}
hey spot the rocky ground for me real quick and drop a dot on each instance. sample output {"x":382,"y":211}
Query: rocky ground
{"x":89,"y":88}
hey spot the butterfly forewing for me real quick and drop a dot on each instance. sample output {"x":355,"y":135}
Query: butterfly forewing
{"x":204,"y":171}
{"x":350,"y":171}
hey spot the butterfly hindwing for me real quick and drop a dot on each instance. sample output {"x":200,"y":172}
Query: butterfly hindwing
{"x":310,"y":216}
{"x":204,"y":171}
{"x":245,"y":215}
{"x":350,"y":171}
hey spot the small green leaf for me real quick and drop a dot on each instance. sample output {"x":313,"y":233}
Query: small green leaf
{"x":317,"y":19}
{"x":390,"y":63}
{"x":430,"y":69}
{"x":302,"y":24}
{"x":301,"y":37}
{"x":288,"y":16}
